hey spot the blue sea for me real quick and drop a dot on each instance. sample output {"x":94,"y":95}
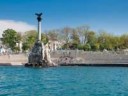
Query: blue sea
{"x":64,"y":81}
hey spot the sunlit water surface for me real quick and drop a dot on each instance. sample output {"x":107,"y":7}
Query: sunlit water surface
{"x":64,"y":81}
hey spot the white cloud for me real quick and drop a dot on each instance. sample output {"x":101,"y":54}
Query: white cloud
{"x":19,"y":26}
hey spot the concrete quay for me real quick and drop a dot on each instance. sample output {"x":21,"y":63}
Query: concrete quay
{"x":79,"y":58}
{"x":84,"y":58}
{"x":13,"y":60}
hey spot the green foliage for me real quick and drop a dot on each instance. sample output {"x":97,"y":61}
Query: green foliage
{"x":18,"y":37}
{"x":80,"y":47}
{"x":95,"y":47}
{"x":74,"y":45}
{"x":91,"y":38}
{"x":75,"y":38}
{"x":87,"y":47}
{"x":25,"y":46}
{"x":9,"y":38}
{"x":29,"y":39}
{"x":81,"y":38}
{"x":106,"y":41}
{"x":44,"y":38}
{"x":124,"y":41}
{"x":65,"y":46}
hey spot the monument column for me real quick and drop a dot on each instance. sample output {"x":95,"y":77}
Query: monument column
{"x":38,"y":52}
{"x":39,"y":26}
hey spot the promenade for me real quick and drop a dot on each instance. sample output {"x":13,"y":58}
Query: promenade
{"x":14,"y":59}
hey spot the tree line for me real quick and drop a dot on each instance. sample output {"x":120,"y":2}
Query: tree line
{"x":81,"y":38}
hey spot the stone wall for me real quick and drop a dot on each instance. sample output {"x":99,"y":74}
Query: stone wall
{"x":92,"y":57}
{"x":78,"y":57}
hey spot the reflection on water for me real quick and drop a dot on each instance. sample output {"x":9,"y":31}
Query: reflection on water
{"x":63,"y":81}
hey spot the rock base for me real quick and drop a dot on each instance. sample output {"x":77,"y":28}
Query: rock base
{"x":35,"y":58}
{"x":43,"y":64}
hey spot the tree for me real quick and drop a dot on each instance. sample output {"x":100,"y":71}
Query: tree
{"x":52,"y":35}
{"x":75,"y":39}
{"x":9,"y":38}
{"x":25,"y":46}
{"x":66,"y":34}
{"x":87,"y":47}
{"x":29,"y":39}
{"x":18,"y":37}
{"x":108,"y":41}
{"x":91,"y":38}
{"x":83,"y":30}
{"x":124,"y":41}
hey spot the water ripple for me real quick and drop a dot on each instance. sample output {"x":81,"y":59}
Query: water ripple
{"x":63,"y":81}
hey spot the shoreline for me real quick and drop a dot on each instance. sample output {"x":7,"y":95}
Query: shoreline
{"x":97,"y":65}
{"x":82,"y":64}
{"x":81,"y":59}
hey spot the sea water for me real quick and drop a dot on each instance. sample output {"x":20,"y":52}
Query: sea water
{"x":64,"y":81}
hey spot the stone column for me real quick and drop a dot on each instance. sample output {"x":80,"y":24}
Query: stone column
{"x":39,"y":30}
{"x":39,"y":25}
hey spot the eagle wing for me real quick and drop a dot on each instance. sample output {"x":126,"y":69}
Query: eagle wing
{"x":38,"y":14}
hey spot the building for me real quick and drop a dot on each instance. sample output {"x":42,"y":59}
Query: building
{"x":55,"y":44}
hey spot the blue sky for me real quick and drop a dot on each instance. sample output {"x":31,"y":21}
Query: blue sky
{"x":108,"y":15}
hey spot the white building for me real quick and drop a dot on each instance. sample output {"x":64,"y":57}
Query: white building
{"x":54,"y":45}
